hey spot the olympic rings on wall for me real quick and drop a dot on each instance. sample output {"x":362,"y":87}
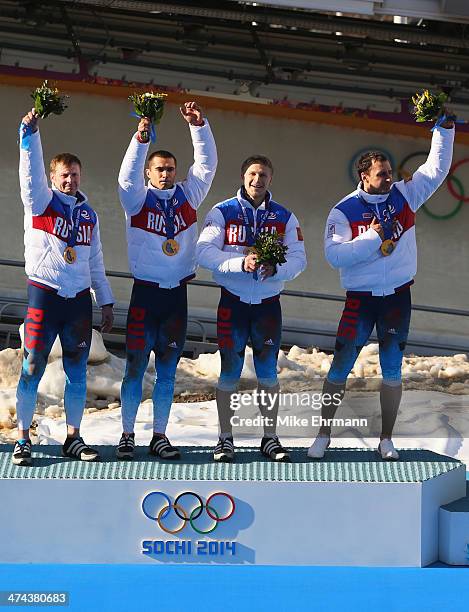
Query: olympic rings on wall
{"x":451,"y":176}
{"x":403,"y":174}
{"x":454,"y":185}
{"x":352,"y":171}
{"x":186,"y":515}
{"x":454,"y":212}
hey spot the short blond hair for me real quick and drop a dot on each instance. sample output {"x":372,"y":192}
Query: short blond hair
{"x":64,"y":158}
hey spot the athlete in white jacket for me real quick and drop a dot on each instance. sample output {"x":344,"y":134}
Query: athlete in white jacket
{"x":63,"y":262}
{"x":370,"y":238}
{"x":249,"y":305}
{"x":161,"y":220}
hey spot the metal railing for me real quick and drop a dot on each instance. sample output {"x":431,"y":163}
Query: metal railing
{"x":201,"y":321}
{"x":301,"y":294}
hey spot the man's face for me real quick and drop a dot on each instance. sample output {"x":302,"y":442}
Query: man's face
{"x":66,"y":178}
{"x":256,"y":180}
{"x":162,"y":172}
{"x":379,"y":177}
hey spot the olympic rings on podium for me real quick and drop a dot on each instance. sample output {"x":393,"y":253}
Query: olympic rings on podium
{"x":187,"y":515}
{"x":230,"y":514}
{"x":167,"y":508}
{"x":215,"y":519}
{"x":164,"y":511}
{"x":198,"y":498}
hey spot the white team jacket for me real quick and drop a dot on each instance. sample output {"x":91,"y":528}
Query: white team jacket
{"x":222,"y":244}
{"x":354,"y":248}
{"x":46,"y":229}
{"x":146,"y":229}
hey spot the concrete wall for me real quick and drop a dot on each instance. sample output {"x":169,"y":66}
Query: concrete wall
{"x":311,"y":174}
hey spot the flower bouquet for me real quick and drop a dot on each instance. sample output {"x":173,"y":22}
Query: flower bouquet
{"x":48,"y":101}
{"x":149,"y":105}
{"x":270,"y":249}
{"x":428,"y":106}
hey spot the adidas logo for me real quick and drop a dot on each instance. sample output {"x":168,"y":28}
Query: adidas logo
{"x":82,"y":345}
{"x":269,"y":341}
{"x":172,"y":345}
{"x":392,"y":331}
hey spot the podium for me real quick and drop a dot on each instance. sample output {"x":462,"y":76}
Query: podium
{"x":350,"y":509}
{"x":454,"y":532}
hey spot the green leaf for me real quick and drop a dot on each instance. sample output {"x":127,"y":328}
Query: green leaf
{"x":428,"y":106}
{"x":270,"y":249}
{"x":48,"y":101}
{"x":149,"y":105}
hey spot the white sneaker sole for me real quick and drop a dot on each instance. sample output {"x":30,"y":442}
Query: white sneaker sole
{"x":95,"y":458}
{"x":280,"y":458}
{"x":21,"y":461}
{"x":88,"y":459}
{"x":223,"y":457}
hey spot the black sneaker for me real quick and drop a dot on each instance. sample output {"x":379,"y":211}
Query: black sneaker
{"x":75,"y":448}
{"x":224,"y":450}
{"x":161,"y":447}
{"x":273,"y":450}
{"x":126,"y":447}
{"x":22,"y":453}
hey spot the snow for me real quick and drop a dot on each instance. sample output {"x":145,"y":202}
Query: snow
{"x":441,"y":418}
{"x":433,"y":412}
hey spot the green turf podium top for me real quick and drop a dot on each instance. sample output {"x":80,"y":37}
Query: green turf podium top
{"x":339,"y":465}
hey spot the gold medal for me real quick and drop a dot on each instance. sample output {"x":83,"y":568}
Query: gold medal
{"x":387,"y":247}
{"x":70,"y":255}
{"x":170,"y":247}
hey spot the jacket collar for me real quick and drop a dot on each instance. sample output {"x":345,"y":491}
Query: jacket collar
{"x":163,"y":194}
{"x":247,"y":204}
{"x":69,"y":199}
{"x":377,"y":198}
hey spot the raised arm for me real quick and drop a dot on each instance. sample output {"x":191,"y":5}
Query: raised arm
{"x":210,"y":252}
{"x":35,"y":192}
{"x":426,"y":179}
{"x":132,"y":188}
{"x":202,"y":171}
{"x":339,"y":248}
{"x":295,"y":256}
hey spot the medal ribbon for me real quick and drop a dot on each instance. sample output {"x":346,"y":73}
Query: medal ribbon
{"x":76,"y":216}
{"x":250,"y":235}
{"x":386,"y":220}
{"x":167,"y":210}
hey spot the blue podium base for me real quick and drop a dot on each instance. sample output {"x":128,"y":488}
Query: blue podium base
{"x":349,"y":509}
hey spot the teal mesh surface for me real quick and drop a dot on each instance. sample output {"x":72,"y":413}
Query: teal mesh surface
{"x":459,"y":505}
{"x":339,"y":465}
